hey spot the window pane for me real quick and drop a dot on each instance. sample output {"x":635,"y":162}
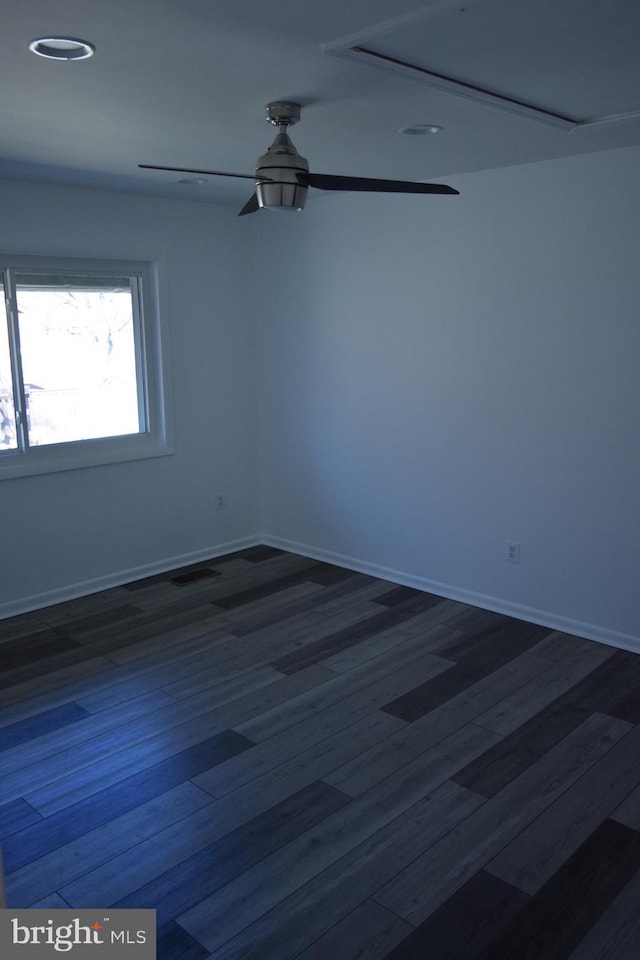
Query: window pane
{"x":8,"y":439}
{"x":78,"y":349}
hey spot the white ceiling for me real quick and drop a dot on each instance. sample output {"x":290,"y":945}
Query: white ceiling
{"x":184,"y":83}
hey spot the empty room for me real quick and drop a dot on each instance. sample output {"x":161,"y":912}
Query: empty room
{"x":320,"y":539}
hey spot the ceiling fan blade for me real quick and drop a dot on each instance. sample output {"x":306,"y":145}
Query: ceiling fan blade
{"x":250,"y":206}
{"x":211,"y":173}
{"x":329,"y":182}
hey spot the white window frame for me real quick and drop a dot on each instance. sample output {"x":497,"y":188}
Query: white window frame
{"x":151,"y":366}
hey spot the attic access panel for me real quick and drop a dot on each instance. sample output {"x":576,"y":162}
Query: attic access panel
{"x":565,"y":62}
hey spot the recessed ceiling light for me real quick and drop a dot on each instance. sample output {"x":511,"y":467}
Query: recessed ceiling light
{"x":420,"y":129}
{"x":62,"y":48}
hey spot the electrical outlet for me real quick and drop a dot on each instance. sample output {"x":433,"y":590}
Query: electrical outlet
{"x":221,"y":501}
{"x":512,"y":551}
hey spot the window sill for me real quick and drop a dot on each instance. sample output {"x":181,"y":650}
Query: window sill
{"x":83,"y":453}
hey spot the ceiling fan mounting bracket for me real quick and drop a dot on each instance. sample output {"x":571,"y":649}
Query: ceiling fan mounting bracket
{"x":283,"y":113}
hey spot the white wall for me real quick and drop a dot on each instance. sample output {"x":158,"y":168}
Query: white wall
{"x":436,"y":375}
{"x":69,"y":532}
{"x":441,"y":374}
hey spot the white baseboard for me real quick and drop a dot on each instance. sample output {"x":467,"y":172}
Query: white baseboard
{"x":85,"y":587}
{"x":545,"y":618}
{"x":531,"y":614}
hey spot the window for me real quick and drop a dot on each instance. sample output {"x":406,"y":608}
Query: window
{"x":80,"y":365}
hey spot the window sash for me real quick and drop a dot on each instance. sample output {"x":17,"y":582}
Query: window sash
{"x":151,"y":438}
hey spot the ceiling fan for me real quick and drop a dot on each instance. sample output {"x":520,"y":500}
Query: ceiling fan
{"x":282,"y":176}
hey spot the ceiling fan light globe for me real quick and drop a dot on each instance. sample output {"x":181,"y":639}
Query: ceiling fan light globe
{"x":282,"y":166}
{"x":281,"y":196}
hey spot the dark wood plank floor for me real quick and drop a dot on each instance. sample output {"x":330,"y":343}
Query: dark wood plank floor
{"x":290,"y":760}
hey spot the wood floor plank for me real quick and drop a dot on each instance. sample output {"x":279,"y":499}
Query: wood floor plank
{"x":258,"y":646}
{"x":229,"y":856}
{"x":370,"y":686}
{"x":431,"y":628}
{"x":471,"y":620}
{"x":610,"y":688}
{"x":204,"y":872}
{"x":562,"y":675}
{"x":319,"y":624}
{"x":97,"y":674}
{"x":224,"y":686}
{"x":267,"y":578}
{"x":61,"y":686}
{"x":178,"y":766}
{"x":475,"y":657}
{"x":175,"y":640}
{"x":416,"y":892}
{"x":342,"y":603}
{"x":234,"y":575}
{"x":242,"y":901}
{"x":563,"y":646}
{"x":58,"y":614}
{"x":22,"y":625}
{"x":302,"y":629}
{"x":330,"y":723}
{"x":349,"y":636}
{"x":146,"y":626}
{"x":202,"y":573}
{"x":152,"y":673}
{"x":174,"y":943}
{"x":105,"y":734}
{"x":314,"y":908}
{"x":616,"y":934}
{"x":464,"y":926}
{"x":510,"y":757}
{"x":24,"y":730}
{"x":507,"y":634}
{"x":552,"y":923}
{"x":16,"y":816}
{"x":398,"y":595}
{"x":146,"y":684}
{"x":173,"y":845}
{"x":358,"y":587}
{"x":247,"y":596}
{"x":53,"y":902}
{"x":259,"y":553}
{"x":68,"y":655}
{"x":261,"y":615}
{"x":170,"y":759}
{"x":131,"y":751}
{"x":60,"y":740}
{"x":157,"y":592}
{"x":218,"y":667}
{"x":447,"y":755}
{"x":369,"y":932}
{"x":33,"y":648}
{"x":58,"y":687}
{"x":411,"y":740}
{"x":67,"y":863}
{"x":270,"y":772}
{"x":628,"y":812}
{"x":533,"y":857}
{"x":87,"y":623}
{"x":271,"y":609}
{"x":329,"y":574}
{"x":82,"y":816}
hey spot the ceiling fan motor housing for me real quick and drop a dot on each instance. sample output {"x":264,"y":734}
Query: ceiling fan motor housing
{"x":281,"y":164}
